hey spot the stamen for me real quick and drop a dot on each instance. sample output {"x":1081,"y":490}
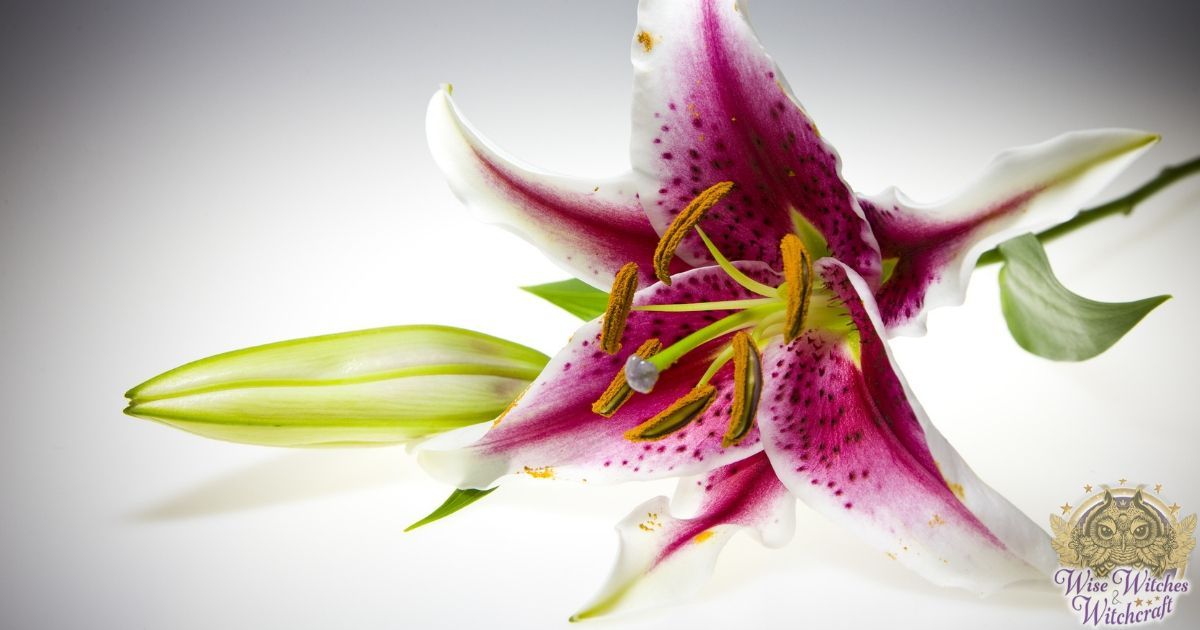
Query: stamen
{"x":747,"y":386}
{"x":673,"y":418}
{"x":748,"y":283}
{"x":683,"y":223}
{"x":618,"y":390}
{"x":620,"y":299}
{"x":797,"y":272}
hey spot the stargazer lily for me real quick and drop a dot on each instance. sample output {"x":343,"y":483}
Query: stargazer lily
{"x":767,"y":378}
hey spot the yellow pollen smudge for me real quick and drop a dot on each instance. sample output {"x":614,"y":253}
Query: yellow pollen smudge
{"x":687,"y":219}
{"x":510,"y":406}
{"x":936,"y":521}
{"x":955,"y":488}
{"x":618,"y":390}
{"x":673,"y":418}
{"x":620,"y":299}
{"x":797,"y":271}
{"x":747,"y":385}
{"x":703,"y":536}
{"x":543,"y":472}
{"x":646,"y":40}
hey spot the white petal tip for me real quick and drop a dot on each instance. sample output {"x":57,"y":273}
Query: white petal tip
{"x":448,"y":458}
{"x":461,"y":468}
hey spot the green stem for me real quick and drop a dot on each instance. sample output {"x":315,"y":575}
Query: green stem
{"x":1120,"y":205}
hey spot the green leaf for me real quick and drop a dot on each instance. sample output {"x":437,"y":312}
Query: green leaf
{"x":573,"y":296}
{"x":1049,"y":320}
{"x":457,"y":500}
{"x":378,"y":386}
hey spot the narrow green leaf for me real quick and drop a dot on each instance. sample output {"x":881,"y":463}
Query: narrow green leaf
{"x":573,"y":296}
{"x":457,"y":500}
{"x":1049,"y":320}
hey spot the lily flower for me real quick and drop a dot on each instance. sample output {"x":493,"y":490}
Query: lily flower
{"x":710,"y":105}
{"x":771,"y":386}
{"x":767,"y":378}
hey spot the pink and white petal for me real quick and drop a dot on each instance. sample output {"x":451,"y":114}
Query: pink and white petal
{"x":895,"y":398}
{"x":711,"y":106}
{"x":1027,"y":189}
{"x":590,"y":227}
{"x":552,"y":431}
{"x":846,"y":436}
{"x":665,"y":557}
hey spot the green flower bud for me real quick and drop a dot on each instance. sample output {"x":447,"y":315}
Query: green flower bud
{"x":379,"y":386}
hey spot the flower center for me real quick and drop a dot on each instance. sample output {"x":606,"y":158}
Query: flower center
{"x":799,"y":303}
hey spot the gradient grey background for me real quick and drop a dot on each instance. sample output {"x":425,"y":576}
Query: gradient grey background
{"x":179,"y":179}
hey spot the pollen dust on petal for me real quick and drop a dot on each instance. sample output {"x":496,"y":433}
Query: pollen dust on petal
{"x":651,"y":523}
{"x":936,"y":520}
{"x":542,"y":472}
{"x":646,"y":40}
{"x":956,"y":488}
{"x":703,"y":536}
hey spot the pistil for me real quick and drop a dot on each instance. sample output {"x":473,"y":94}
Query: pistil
{"x":641,"y":374}
{"x":742,"y":319}
{"x":618,"y":391}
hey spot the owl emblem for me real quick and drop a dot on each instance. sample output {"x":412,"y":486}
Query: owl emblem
{"x":1124,"y":531}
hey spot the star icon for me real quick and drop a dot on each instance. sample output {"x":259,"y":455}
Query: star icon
{"x":1137,"y":602}
{"x":1066,"y":507}
{"x":1122,"y":481}
{"x":1174,"y":507}
{"x":1158,"y":488}
{"x":1087,"y":488}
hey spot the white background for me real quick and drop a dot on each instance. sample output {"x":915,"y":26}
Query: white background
{"x":181,"y":180}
